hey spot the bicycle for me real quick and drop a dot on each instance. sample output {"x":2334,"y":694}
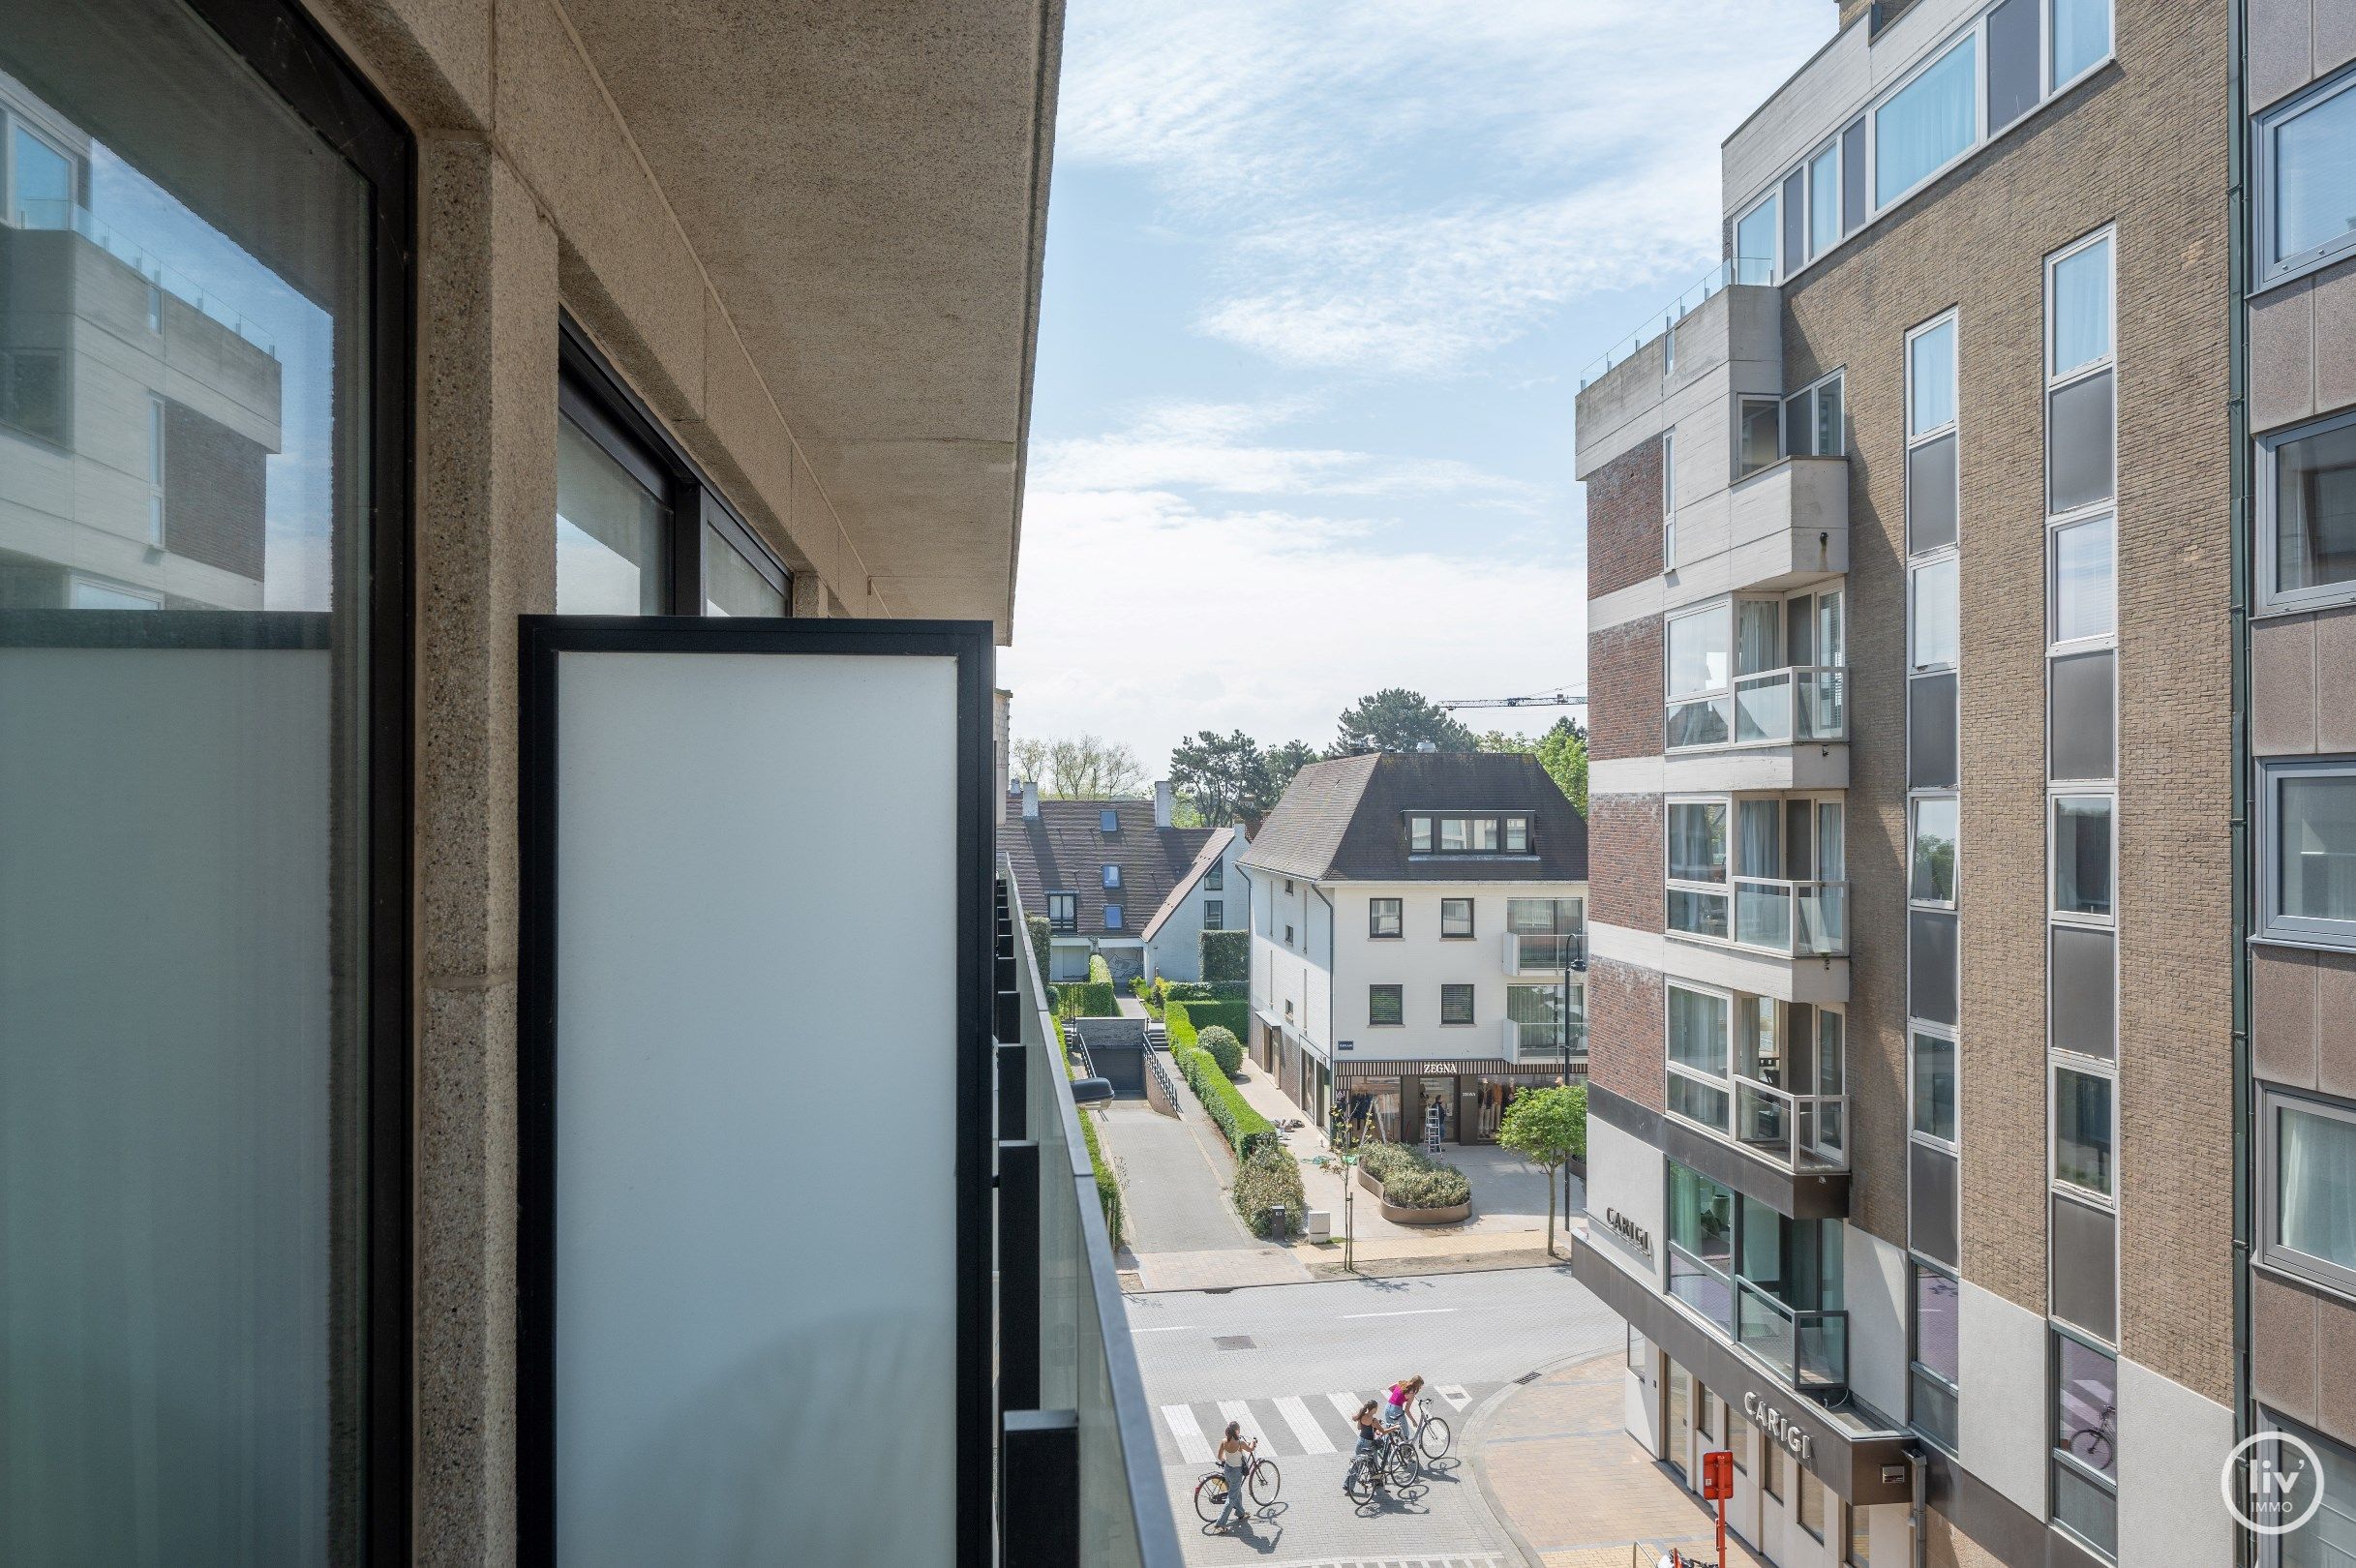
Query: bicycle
{"x":1262,"y":1481}
{"x":1392,"y":1459}
{"x":2102,"y":1438}
{"x":1432,"y":1434}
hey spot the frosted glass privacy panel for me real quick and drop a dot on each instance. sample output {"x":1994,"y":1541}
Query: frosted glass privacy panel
{"x":756,"y":1114}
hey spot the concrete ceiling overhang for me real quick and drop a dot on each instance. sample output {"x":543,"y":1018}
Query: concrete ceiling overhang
{"x":865,"y":181}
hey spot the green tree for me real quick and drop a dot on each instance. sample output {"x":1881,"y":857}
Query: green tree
{"x":1218,"y":775}
{"x":1548,"y":1127}
{"x":1396,"y":719}
{"x":1563,"y":751}
{"x":1503,"y":740}
{"x":1077,"y":767}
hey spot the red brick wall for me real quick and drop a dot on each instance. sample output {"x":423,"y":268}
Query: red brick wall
{"x":1624,"y":1030}
{"x":1624,"y":686}
{"x":1625,"y":520}
{"x":1624,"y":887}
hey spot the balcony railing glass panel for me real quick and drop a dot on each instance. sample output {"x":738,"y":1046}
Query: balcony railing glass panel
{"x":1807,"y":1349}
{"x":1542,"y":953}
{"x":1802,"y":703}
{"x":1791,"y":1130}
{"x":1798,"y":919}
{"x":1698,"y":911}
{"x":1703,"y":1289}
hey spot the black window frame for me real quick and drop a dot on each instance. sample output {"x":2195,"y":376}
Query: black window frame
{"x":1068,"y":923}
{"x":1215,"y":877}
{"x":1374,"y":919}
{"x":600,"y":404}
{"x":1453,"y":988}
{"x":1214,"y":914}
{"x":1115,"y":917}
{"x":1398,"y":1006}
{"x":1108,"y":821}
{"x":1469,"y":932}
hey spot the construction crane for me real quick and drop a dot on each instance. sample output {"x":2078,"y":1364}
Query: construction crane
{"x":1559,"y":696}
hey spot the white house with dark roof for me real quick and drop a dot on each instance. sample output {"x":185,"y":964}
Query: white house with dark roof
{"x":1418,"y":939}
{"x":1116,"y":879}
{"x":1208,"y":897}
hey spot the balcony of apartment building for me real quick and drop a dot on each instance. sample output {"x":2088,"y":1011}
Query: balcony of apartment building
{"x":1757,"y":692}
{"x":1755,"y":896}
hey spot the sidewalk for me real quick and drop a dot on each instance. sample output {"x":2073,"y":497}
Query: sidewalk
{"x":1565,"y":1479}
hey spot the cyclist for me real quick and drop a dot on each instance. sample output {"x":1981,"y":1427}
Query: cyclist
{"x":1370,"y":1438}
{"x":1234,"y":1457}
{"x":1401,"y":1412}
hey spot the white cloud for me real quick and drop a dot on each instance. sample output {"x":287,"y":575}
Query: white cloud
{"x":1144,"y":617}
{"x":1203,"y":446}
{"x":1404,"y":184}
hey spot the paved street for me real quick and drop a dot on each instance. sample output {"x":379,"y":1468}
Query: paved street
{"x":1286,"y":1361}
{"x":1183,"y":1227}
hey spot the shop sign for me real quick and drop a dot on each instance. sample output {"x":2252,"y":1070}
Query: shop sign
{"x":1778,"y":1426}
{"x":1634,"y":1234}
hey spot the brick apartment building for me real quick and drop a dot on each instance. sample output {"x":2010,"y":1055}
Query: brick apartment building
{"x":1912,"y":986}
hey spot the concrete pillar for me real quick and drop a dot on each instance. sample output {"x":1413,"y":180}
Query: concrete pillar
{"x":486,"y":553}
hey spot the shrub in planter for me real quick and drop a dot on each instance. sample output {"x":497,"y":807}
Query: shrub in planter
{"x":1430,"y":1186}
{"x":1225,"y":1048}
{"x":1383,"y":1161}
{"x":1269,"y":1178}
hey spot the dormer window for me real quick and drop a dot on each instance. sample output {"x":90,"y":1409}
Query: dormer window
{"x":1431,"y":833}
{"x":1112,"y":876}
{"x":1111,"y":823}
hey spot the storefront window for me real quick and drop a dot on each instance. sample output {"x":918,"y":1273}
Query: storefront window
{"x":197,"y":293}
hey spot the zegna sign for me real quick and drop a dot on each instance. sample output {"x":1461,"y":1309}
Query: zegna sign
{"x":1779,"y":1427}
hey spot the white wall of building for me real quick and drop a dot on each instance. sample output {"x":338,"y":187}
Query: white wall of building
{"x":1175,"y":953}
{"x":1421,"y":960}
{"x":2171,"y":1506}
{"x":1292,"y":956}
{"x":1873,"y":1288}
{"x":2003,"y":1415}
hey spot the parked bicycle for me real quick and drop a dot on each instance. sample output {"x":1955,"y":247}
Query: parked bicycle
{"x":1262,"y":1482}
{"x":1433,"y":1438}
{"x":2098,"y":1442}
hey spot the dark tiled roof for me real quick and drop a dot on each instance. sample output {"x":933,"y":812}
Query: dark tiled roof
{"x":1212,"y":848}
{"x":1065,"y":850}
{"x":1344,"y":820}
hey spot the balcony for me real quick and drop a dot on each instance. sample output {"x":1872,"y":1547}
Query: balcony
{"x":1081,"y":1480}
{"x":1788,"y":524}
{"x":1803,"y":1133}
{"x":1544,"y":1042}
{"x":1544,"y":953}
{"x":1785,"y":919}
{"x":1808,"y":1349}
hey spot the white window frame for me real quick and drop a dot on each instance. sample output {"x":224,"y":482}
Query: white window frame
{"x":12,"y":122}
{"x":2106,"y":364}
{"x":2270,"y":271}
{"x":1913,"y":806}
{"x":1669,"y":502}
{"x":2044,"y":51}
{"x":152,"y":598}
{"x":1975,"y":34}
{"x":1723,"y":1083}
{"x":1813,"y":392}
{"x":2054,"y":796}
{"x":2303,"y":930}
{"x":1775,"y":263}
{"x":1947,"y":1032}
{"x":1824,"y":149}
{"x":2055,"y":526}
{"x":1723,"y":889}
{"x":1741,"y":401}
{"x":1945,"y":556}
{"x":2271,"y":1099}
{"x":2271,"y":595}
{"x":2085,"y":1067}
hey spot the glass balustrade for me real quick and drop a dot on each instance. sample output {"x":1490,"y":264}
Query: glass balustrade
{"x":1543,"y":954}
{"x":1808,"y":1349}
{"x":1797,"y":1131}
{"x":1545,"y":1042}
{"x":1804,"y":704}
{"x":1799,"y":920}
{"x":1696,"y":911}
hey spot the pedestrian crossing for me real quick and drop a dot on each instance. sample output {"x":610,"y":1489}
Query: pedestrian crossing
{"x":1289,"y":1425}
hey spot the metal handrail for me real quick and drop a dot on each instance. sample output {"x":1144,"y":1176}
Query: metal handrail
{"x":1784,"y":1345}
{"x":74,"y":218}
{"x":1736,"y":270}
{"x":1797,"y":1121}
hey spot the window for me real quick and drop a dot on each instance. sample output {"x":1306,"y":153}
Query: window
{"x":1770,"y":1470}
{"x":1759,"y":440}
{"x":2082,"y":1130}
{"x":2307,"y":513}
{"x":2308,"y":877}
{"x":1385,"y":1005}
{"x":1933,"y":1190}
{"x":1930,"y":379}
{"x":1062,"y":912}
{"x":1930,"y":964}
{"x":2308,"y":1186}
{"x":2081,"y":854}
{"x":1696,"y":846}
{"x":2079,"y":332}
{"x":612,"y":516}
{"x":1419,"y":835}
{"x":739,"y":579}
{"x":1811,"y":1505}
{"x":209,"y":806}
{"x":2016,"y":62}
{"x":1484,"y":836}
{"x":1112,"y":876}
{"x":1702,"y":1245}
{"x":1824,"y":200}
{"x":1860,"y":1538}
{"x":1215,"y":877}
{"x":1383,"y":917}
{"x":1516,"y":836}
{"x":1214,"y":915}
{"x":2083,"y":1245}
{"x":1812,"y":423}
{"x":1926,"y":124}
{"x":1934,"y":624}
{"x":1113,"y":916}
{"x":1455,"y":837}
{"x":1755,"y":245}
{"x":1934,"y":1085}
{"x":2086,"y":1442}
{"x":2082,"y":991}
{"x":1932,"y":499}
{"x":1933,"y":1382}
{"x":1794,"y":222}
{"x":2306,"y":180}
{"x":1701,"y":677}
{"x":1288,"y":935}
{"x":1669,"y":502}
{"x":1456,"y":1004}
{"x":1700,"y":1045}
{"x":2084,"y":604}
{"x":2329,"y":1539}
{"x":1456,"y":916}
{"x":1108,"y":821}
{"x":2081,"y":39}
{"x":2080,"y":431}
{"x":155,"y":308}
{"x":1933,"y":858}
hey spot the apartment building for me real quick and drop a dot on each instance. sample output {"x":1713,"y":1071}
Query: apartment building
{"x":1418,"y":941}
{"x":2295,"y":549}
{"x":1910,"y":1163}
{"x":506,"y":508}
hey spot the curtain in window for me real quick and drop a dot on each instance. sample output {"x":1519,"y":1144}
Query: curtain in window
{"x":1697,"y":842}
{"x":2081,"y":308}
{"x":1760,"y":854}
{"x":1931,"y":121}
{"x":2315,"y":1185}
{"x":1831,"y":855}
{"x":1757,"y":632}
{"x":1697,"y":1031}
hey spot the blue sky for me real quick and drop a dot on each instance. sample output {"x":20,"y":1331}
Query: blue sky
{"x":1320,"y":281}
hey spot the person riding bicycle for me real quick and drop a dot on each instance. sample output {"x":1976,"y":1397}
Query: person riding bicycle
{"x":1234,"y":1456}
{"x":1370,"y":1434}
{"x":1401,"y":1412}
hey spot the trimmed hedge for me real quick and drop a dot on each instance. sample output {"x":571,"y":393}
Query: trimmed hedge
{"x":1226,"y":956}
{"x":1107,"y":1189}
{"x":1043,"y":944}
{"x":1100,"y":973}
{"x":1267,"y":1177}
{"x":1086,"y":999}
{"x":1244,"y":1128}
{"x":1412,"y":1179}
{"x":1235,"y":1018}
{"x":1205,"y":990}
{"x":1178,"y":1017}
{"x":1225,"y":1048}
